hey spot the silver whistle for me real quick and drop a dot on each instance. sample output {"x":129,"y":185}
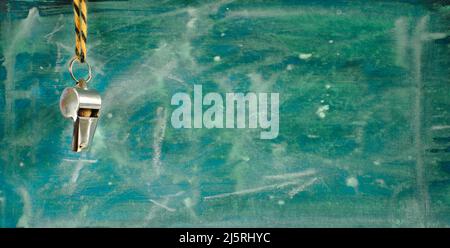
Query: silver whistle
{"x":83,"y":106}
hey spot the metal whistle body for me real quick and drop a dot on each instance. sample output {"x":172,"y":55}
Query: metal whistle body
{"x":83,"y":106}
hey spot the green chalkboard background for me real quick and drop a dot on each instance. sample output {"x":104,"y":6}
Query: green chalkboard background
{"x":364,"y":114}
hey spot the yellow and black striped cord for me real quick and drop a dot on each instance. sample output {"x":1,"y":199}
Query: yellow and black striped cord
{"x":80,"y":18}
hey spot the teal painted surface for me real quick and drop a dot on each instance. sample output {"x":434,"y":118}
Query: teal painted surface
{"x":364,"y":115}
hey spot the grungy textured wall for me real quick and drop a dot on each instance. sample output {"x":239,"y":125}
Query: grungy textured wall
{"x":364,"y":114}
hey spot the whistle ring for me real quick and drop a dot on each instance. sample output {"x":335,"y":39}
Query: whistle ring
{"x":72,"y":61}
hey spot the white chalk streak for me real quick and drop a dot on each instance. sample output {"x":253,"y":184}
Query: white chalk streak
{"x":89,"y":161}
{"x":158,"y":137}
{"x":162,"y":206}
{"x":254,"y":190}
{"x":440,"y":127}
{"x":302,"y":187}
{"x":292,"y":175}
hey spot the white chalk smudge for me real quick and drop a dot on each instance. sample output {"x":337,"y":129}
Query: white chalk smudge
{"x":305,"y":56}
{"x":57,"y":28}
{"x":193,"y":18}
{"x":25,"y":219}
{"x":158,"y":137}
{"x":76,"y":172}
{"x":352,"y":182}
{"x":321,"y":111}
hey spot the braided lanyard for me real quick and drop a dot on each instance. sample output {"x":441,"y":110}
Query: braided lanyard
{"x":80,"y":19}
{"x":79,"y":103}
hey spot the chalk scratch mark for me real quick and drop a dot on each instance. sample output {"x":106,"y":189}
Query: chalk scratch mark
{"x":305,"y":173}
{"x":163,"y":206}
{"x":254,"y":190}
{"x":302,"y":187}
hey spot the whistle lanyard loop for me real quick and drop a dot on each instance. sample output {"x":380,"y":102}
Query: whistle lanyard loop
{"x":80,"y":20}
